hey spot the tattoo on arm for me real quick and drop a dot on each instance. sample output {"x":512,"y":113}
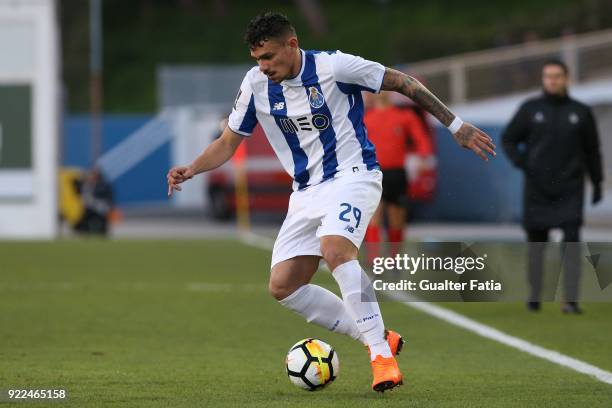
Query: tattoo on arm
{"x":405,"y":84}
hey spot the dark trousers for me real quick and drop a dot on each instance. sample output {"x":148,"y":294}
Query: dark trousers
{"x":570,"y":257}
{"x":93,"y":223}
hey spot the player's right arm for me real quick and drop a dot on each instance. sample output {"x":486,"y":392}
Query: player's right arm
{"x":240,"y":124}
{"x":217,"y":153}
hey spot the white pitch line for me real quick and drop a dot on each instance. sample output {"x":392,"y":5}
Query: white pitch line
{"x":459,"y":320}
{"x":257,"y":241}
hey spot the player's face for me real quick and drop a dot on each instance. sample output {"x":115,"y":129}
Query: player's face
{"x":276,"y":58}
{"x":554,"y":80}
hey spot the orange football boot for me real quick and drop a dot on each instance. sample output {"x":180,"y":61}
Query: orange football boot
{"x":386,"y":374}
{"x":395,"y":340}
{"x":384,"y":369}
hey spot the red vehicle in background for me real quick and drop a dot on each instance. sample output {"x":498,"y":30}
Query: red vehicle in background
{"x":269,"y":186}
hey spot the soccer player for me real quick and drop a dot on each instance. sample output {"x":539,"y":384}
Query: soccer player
{"x":310,"y":106}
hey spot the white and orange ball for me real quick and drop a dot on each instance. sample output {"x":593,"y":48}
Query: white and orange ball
{"x":312,"y":364}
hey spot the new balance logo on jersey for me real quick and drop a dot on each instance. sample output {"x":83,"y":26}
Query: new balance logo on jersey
{"x":349,"y":229}
{"x":304,"y":123}
{"x":278,"y":106}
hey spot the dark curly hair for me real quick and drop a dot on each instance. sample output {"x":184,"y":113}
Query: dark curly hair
{"x":267,"y":26}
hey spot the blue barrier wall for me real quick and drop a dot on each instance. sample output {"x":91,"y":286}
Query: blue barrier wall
{"x":470,"y":189}
{"x":142,"y":185}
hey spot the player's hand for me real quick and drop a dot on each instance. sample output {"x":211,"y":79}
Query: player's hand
{"x":470,"y":137}
{"x":176,"y":176}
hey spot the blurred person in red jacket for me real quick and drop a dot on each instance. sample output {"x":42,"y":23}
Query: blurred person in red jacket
{"x":395,"y":132}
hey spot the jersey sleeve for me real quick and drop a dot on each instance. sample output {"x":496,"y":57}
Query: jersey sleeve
{"x":243,"y":119}
{"x":353,"y":70}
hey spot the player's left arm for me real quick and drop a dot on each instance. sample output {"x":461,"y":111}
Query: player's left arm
{"x":592,"y":154}
{"x":467,"y":135}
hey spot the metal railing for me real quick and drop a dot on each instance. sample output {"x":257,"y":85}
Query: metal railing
{"x":485,"y":74}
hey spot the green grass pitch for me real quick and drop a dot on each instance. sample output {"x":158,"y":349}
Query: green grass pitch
{"x":190,"y":323}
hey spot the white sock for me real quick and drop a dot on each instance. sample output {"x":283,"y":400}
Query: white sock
{"x":360,"y":301}
{"x":322,"y":307}
{"x":381,"y":349}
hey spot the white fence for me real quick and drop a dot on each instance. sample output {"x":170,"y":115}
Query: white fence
{"x":501,"y":71}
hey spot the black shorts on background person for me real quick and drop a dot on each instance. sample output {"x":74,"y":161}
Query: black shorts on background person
{"x":394,"y":186}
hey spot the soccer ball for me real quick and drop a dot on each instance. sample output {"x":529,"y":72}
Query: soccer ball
{"x":312,"y":364}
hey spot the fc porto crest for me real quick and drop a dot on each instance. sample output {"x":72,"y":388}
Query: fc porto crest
{"x":315,"y":98}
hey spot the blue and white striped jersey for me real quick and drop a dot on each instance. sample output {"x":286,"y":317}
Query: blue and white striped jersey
{"x":314,"y":121}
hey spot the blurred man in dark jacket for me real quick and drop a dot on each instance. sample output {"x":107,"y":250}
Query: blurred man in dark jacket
{"x":553,"y":140}
{"x":97,"y":195}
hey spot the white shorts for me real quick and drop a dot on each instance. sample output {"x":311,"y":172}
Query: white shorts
{"x":341,"y":206}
